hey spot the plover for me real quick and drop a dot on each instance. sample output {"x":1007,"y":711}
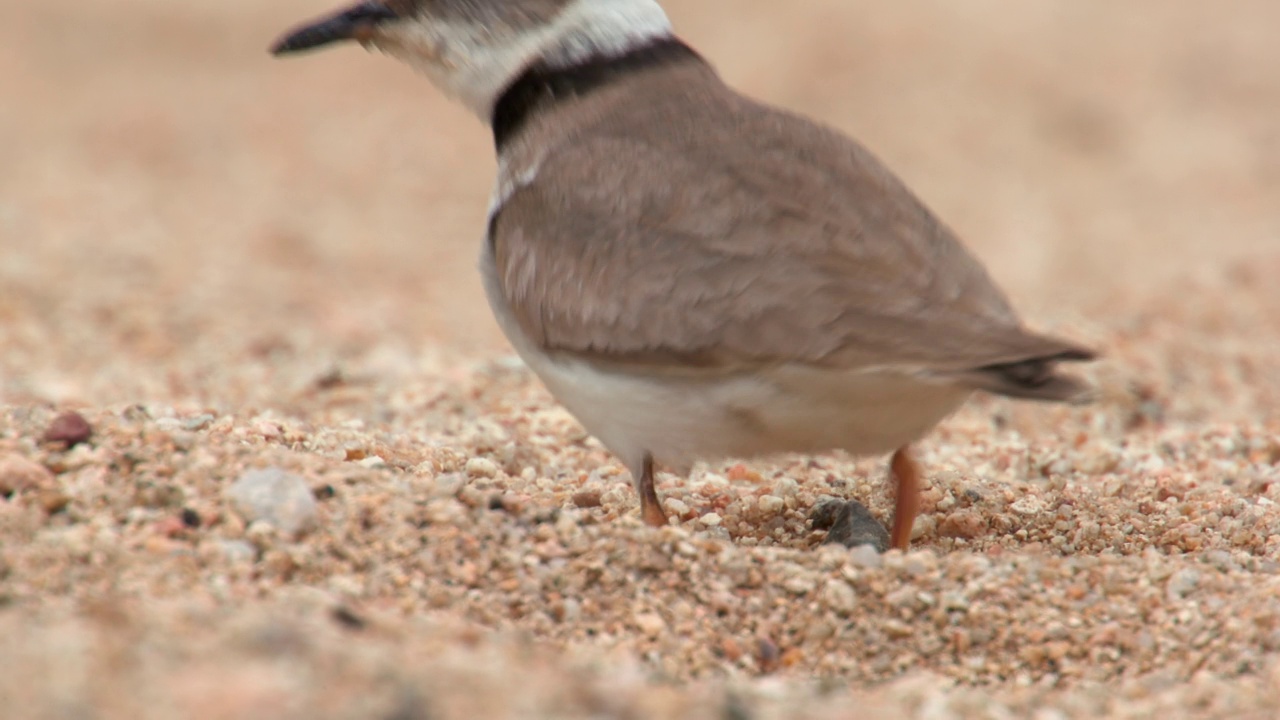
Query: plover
{"x":696,"y":275}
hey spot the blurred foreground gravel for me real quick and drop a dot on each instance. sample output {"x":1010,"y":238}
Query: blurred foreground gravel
{"x":472,"y":554}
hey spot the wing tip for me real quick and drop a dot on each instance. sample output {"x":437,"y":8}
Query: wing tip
{"x":1037,"y":378}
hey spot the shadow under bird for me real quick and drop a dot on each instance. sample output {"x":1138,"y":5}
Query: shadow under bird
{"x":696,"y":275}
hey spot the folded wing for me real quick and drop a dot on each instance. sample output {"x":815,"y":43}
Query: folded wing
{"x":784,"y":243}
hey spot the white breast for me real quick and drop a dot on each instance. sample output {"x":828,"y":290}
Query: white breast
{"x":683,"y":419}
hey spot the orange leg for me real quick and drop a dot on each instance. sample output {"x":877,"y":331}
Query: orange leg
{"x":650,"y":506}
{"x":907,"y":501}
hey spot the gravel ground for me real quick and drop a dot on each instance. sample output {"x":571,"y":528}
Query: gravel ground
{"x":262,"y":452}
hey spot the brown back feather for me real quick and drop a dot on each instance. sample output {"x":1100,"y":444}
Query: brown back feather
{"x":673,"y":223}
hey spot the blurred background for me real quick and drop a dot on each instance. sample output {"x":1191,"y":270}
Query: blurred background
{"x":176,"y":205}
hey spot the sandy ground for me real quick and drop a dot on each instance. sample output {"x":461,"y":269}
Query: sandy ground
{"x":225,"y":262}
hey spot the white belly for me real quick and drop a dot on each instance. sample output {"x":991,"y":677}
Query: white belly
{"x":681,"y":419}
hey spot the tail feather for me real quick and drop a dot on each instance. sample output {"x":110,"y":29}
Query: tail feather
{"x":1035,"y":378}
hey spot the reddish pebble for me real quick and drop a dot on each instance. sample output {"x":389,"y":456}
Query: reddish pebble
{"x":18,"y":473}
{"x":730,"y":649}
{"x":768,"y":656}
{"x":587,"y":499}
{"x":53,"y":501}
{"x":170,"y":527}
{"x":69,"y":429}
{"x":792,"y":658}
{"x":966,"y":524}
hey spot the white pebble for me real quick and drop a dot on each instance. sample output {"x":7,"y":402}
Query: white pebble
{"x":839,"y":596}
{"x":169,"y":424}
{"x":712,"y":519}
{"x":1181,"y":583}
{"x":955,"y":600}
{"x":478,"y":467}
{"x":1028,"y":505}
{"x":925,"y":525}
{"x":677,"y":507}
{"x":262,"y":534}
{"x":199,"y":422}
{"x":799,"y":584}
{"x":651,"y":624}
{"x":236,"y":551}
{"x":716,"y":481}
{"x":572,"y":610}
{"x":865,"y":556}
{"x":448,"y":485}
{"x":276,"y":497}
{"x":921,"y":562}
{"x":771,"y":504}
{"x":268,"y":430}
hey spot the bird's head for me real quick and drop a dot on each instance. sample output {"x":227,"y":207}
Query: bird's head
{"x":474,"y":49}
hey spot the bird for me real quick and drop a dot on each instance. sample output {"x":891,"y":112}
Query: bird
{"x":696,"y":275}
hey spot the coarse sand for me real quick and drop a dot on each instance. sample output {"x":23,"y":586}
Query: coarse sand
{"x":224,"y":263}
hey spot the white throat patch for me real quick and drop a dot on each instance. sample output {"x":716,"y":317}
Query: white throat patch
{"x":470,"y":63}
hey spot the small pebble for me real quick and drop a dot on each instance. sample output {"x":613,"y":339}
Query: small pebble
{"x":169,"y":527}
{"x":825,"y":512}
{"x":448,"y":485}
{"x":199,"y":422}
{"x":268,"y":429}
{"x":771,"y":504}
{"x":18,"y":474}
{"x":785,"y":487}
{"x":920,"y":563}
{"x":840,"y":596}
{"x":588,"y":499}
{"x":53,"y":501}
{"x":347,"y":618}
{"x":1028,"y":505}
{"x":851,"y":524}
{"x":506,"y":502}
{"x":68,"y":429}
{"x":262,"y":534}
{"x":236,"y":551}
{"x":799,"y":584}
{"x":275,"y":496}
{"x":162,"y":545}
{"x":651,"y":624}
{"x":964,"y":524}
{"x":866,"y":556}
{"x":1181,"y":583}
{"x":677,"y":507}
{"x":768,"y":655}
{"x":481,"y":467}
{"x":923,"y":527}
{"x":956,"y":601}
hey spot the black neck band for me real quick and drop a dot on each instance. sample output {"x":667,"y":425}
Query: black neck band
{"x":541,"y":87}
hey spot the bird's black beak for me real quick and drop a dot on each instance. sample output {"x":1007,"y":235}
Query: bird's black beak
{"x":355,"y":23}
